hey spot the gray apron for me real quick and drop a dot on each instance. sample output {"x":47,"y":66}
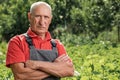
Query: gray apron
{"x":43,"y":55}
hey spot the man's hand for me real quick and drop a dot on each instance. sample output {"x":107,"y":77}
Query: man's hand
{"x":63,"y":58}
{"x":34,"y":64}
{"x":31,"y":64}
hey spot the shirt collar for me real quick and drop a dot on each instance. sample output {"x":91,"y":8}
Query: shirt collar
{"x":32,"y":34}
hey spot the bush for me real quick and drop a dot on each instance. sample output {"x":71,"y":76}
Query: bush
{"x":94,"y":61}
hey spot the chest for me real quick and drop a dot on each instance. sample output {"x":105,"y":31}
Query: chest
{"x":41,"y":44}
{"x":38,"y":44}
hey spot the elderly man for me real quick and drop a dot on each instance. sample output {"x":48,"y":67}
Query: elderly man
{"x":35,"y":55}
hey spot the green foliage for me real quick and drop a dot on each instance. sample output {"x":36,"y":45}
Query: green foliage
{"x":14,"y":13}
{"x":3,"y":47}
{"x":90,"y":17}
{"x":76,"y":23}
{"x":93,"y":16}
{"x":94,"y":60}
{"x":5,"y":73}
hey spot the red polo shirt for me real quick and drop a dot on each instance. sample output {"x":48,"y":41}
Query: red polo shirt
{"x":18,"y":49}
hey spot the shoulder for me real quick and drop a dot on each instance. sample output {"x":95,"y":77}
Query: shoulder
{"x":59,"y":44}
{"x":60,"y":47}
{"x":57,"y":41}
{"x":17,"y":39}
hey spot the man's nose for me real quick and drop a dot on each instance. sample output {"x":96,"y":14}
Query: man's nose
{"x":42,"y":20}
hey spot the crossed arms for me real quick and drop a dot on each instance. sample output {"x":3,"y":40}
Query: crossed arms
{"x":37,"y":70}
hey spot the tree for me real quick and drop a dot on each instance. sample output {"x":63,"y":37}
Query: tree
{"x":89,"y":17}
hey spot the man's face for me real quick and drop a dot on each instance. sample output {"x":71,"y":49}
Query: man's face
{"x":40,"y":19}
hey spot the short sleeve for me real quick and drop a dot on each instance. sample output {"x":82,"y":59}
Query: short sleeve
{"x":60,"y":48}
{"x":14,"y":52}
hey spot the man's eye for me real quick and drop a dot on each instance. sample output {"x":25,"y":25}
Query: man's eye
{"x":37,"y":15}
{"x":46,"y":17}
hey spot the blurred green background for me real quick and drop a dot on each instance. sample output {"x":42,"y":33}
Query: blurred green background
{"x":89,"y":29}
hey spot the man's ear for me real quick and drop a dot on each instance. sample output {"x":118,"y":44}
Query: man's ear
{"x":51,"y":18}
{"x":29,"y":16}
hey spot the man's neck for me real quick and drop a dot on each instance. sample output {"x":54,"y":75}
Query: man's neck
{"x":42,"y":36}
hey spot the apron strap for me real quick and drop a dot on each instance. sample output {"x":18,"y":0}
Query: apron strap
{"x":54,"y":45}
{"x":29,"y":41}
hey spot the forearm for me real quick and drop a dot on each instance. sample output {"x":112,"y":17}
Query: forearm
{"x":27,"y":73}
{"x":35,"y":75}
{"x":59,"y":69}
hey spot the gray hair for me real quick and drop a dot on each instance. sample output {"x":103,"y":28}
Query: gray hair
{"x":34,"y":5}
